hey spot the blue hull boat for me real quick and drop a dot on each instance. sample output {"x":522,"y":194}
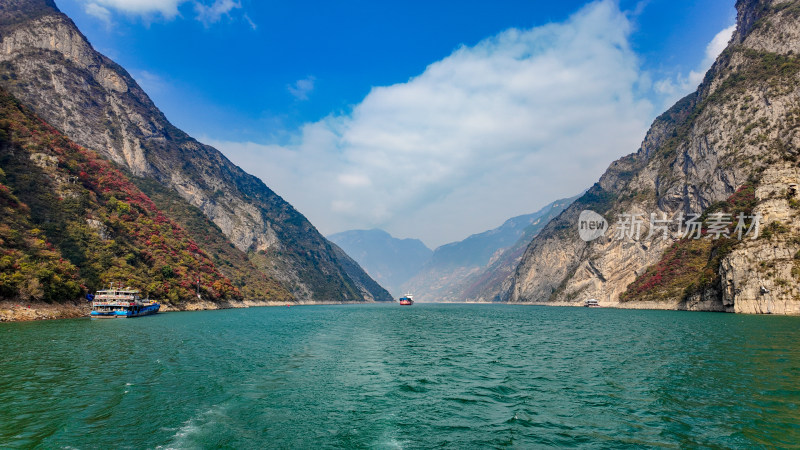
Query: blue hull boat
{"x":121,"y":303}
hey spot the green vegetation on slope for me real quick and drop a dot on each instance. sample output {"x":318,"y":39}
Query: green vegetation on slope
{"x":234,"y":264}
{"x":30,"y":268}
{"x":691,"y":265}
{"x":72,"y":222}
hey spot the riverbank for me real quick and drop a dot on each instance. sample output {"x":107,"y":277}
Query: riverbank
{"x":25,"y":312}
{"x":692,"y":305}
{"x":749,"y":307}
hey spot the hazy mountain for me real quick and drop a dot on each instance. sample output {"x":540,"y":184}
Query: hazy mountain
{"x":729,"y":148}
{"x":472,"y":269}
{"x":49,"y":65}
{"x":488,"y":283}
{"x":389,"y":260}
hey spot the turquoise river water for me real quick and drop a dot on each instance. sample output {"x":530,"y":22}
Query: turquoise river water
{"x":386,"y":376}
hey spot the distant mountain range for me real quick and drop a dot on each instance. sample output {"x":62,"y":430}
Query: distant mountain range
{"x":475,"y":268}
{"x":388,"y":260}
{"x":250,"y":234}
{"x":467,"y":270}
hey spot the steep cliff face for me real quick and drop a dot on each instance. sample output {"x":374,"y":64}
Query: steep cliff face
{"x":48,"y":64}
{"x":490,"y":282}
{"x":738,"y":131}
{"x":71,"y":223}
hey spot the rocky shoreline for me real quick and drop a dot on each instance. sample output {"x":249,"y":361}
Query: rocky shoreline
{"x":674,"y":305}
{"x":26,"y":312}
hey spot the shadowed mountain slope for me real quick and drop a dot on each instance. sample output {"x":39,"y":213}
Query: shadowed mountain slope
{"x":49,"y":65}
{"x":389,"y":260}
{"x":71,"y":223}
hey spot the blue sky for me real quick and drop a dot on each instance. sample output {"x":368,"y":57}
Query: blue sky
{"x":426,"y":118}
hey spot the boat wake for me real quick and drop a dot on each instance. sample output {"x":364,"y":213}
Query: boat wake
{"x":200,"y":430}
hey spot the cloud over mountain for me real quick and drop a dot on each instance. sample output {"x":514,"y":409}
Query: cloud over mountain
{"x":677,"y":87}
{"x":476,"y":136}
{"x":491,"y":131}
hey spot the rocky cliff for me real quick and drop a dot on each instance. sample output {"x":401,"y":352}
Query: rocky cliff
{"x":490,"y":282}
{"x":730,"y":148}
{"x":49,"y":65}
{"x":71,"y":223}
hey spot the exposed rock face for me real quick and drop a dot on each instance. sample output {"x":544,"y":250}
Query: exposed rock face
{"x":739,"y":128}
{"x":761,"y":276}
{"x":48,"y":64}
{"x":71,"y":223}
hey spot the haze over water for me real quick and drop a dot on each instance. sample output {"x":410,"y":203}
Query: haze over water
{"x":385,"y":376}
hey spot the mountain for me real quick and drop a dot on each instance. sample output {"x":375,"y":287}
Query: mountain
{"x":389,"y":260}
{"x":488,"y":283}
{"x":475,"y":268}
{"x":49,"y":65}
{"x":71,"y":223}
{"x":731,"y":147}
{"x":364,"y":281}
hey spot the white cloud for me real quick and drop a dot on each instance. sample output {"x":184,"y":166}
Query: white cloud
{"x":167,"y":8}
{"x":354,"y":180}
{"x":93,"y":9}
{"x":674,"y":88}
{"x":489,"y":132}
{"x":301,"y":88}
{"x":639,"y":8}
{"x":207,"y":14}
{"x":213,"y":14}
{"x":250,"y":21}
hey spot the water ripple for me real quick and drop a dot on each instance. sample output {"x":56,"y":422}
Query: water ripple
{"x":457,"y":376}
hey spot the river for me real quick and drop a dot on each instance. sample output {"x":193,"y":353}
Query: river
{"x":390,"y":376}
